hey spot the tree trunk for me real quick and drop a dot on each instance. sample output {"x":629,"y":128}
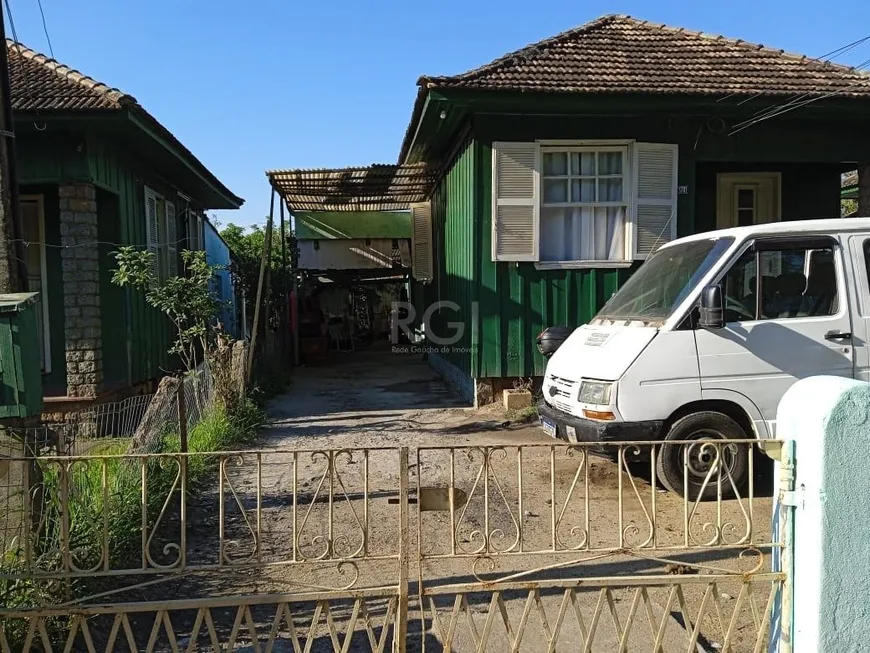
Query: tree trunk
{"x":153,"y":426}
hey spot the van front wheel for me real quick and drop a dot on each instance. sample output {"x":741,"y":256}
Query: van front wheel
{"x":697,"y":467}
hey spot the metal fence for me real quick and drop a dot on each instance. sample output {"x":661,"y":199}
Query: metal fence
{"x":514,"y":547}
{"x":107,"y":428}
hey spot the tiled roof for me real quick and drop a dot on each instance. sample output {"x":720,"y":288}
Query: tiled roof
{"x":621,"y":54}
{"x":377,"y":187}
{"x":42,"y":84}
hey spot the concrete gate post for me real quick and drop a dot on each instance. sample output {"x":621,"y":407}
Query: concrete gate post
{"x":828,"y":418}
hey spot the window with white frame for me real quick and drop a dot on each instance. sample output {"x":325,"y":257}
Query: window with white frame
{"x":585,"y":204}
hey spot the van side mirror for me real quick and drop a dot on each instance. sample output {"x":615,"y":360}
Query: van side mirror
{"x":712,"y":311}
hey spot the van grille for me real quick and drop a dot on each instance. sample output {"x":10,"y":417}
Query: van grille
{"x":563,"y":393}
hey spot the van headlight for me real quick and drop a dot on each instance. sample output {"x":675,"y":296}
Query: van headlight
{"x":595,"y":392}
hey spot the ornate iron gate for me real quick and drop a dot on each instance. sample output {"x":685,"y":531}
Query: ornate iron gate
{"x":509,"y":547}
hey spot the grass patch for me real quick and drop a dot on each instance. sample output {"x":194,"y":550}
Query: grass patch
{"x":524,"y":415}
{"x":104,"y":500}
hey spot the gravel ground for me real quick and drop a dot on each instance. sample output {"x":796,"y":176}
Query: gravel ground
{"x":376,"y":400}
{"x":379,"y":402}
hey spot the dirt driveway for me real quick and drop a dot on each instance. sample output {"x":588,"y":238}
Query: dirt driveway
{"x":523,"y":490}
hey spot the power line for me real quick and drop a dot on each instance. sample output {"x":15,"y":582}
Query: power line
{"x":824,"y":58}
{"x":11,"y":21}
{"x":91,"y":243}
{"x":795,"y":104}
{"x":794,"y":100}
{"x":45,"y":28}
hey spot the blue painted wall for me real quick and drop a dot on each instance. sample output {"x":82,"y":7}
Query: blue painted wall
{"x":217,"y":253}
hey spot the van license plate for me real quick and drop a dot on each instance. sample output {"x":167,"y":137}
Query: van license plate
{"x":549,"y":428}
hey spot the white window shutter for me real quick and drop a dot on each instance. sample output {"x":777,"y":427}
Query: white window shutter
{"x":171,"y":240}
{"x":152,"y":237}
{"x":516,"y":208}
{"x":421,"y":241}
{"x":655,"y":196}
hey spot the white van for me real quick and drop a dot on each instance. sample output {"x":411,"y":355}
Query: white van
{"x":705,"y":338}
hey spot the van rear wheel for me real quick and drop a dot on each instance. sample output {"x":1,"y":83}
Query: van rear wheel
{"x":694,"y":468}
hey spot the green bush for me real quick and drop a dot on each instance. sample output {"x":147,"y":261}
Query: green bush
{"x":117,"y":509}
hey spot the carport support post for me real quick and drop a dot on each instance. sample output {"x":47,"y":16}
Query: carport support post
{"x":267,"y":248}
{"x":400,"y":632}
{"x":285,"y":302}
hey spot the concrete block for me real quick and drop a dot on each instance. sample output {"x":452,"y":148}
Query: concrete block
{"x":516,"y":399}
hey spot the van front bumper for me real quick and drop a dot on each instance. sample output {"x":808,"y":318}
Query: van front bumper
{"x":588,"y":430}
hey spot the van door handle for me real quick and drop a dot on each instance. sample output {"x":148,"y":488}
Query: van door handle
{"x":838,"y":335}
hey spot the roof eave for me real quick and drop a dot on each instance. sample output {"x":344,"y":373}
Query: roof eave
{"x":417,"y":112}
{"x":157,"y":132}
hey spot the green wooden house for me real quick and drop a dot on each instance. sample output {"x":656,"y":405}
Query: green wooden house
{"x":97,"y":171}
{"x":564,"y":164}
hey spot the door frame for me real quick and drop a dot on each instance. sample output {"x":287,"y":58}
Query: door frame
{"x":732,"y":179}
{"x":39,"y":200}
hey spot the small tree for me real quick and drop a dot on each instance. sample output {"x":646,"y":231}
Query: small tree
{"x":186,"y":300}
{"x":247,"y":244}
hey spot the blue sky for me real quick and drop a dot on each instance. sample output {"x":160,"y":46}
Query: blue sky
{"x":284,"y":84}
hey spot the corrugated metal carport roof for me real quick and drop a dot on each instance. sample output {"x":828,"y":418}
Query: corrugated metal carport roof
{"x":380,"y":187}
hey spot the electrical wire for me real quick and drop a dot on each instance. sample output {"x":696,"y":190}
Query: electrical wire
{"x":11,"y":21}
{"x":792,"y":105}
{"x":45,"y":28}
{"x":797,"y":99}
{"x":825,"y":58}
{"x":92,"y":243}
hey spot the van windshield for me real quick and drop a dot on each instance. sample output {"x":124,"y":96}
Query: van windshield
{"x":667,"y":277}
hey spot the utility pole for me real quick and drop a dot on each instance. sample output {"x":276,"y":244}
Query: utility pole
{"x":13,"y":266}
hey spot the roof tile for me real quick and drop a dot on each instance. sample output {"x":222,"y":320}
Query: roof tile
{"x":621,"y":54}
{"x":39,"y":83}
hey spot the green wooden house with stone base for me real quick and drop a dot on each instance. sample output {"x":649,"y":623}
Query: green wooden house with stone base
{"x":564,"y":164}
{"x":97,"y":171}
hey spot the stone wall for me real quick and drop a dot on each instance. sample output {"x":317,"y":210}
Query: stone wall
{"x":81,"y":290}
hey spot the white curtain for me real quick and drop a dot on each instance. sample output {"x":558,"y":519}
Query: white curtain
{"x":583,"y":233}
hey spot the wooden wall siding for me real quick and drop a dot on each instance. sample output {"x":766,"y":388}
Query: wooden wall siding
{"x":113,"y":299}
{"x":50,"y":157}
{"x":517,"y":301}
{"x":149,"y":333}
{"x":453,"y":213}
{"x":809,"y":190}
